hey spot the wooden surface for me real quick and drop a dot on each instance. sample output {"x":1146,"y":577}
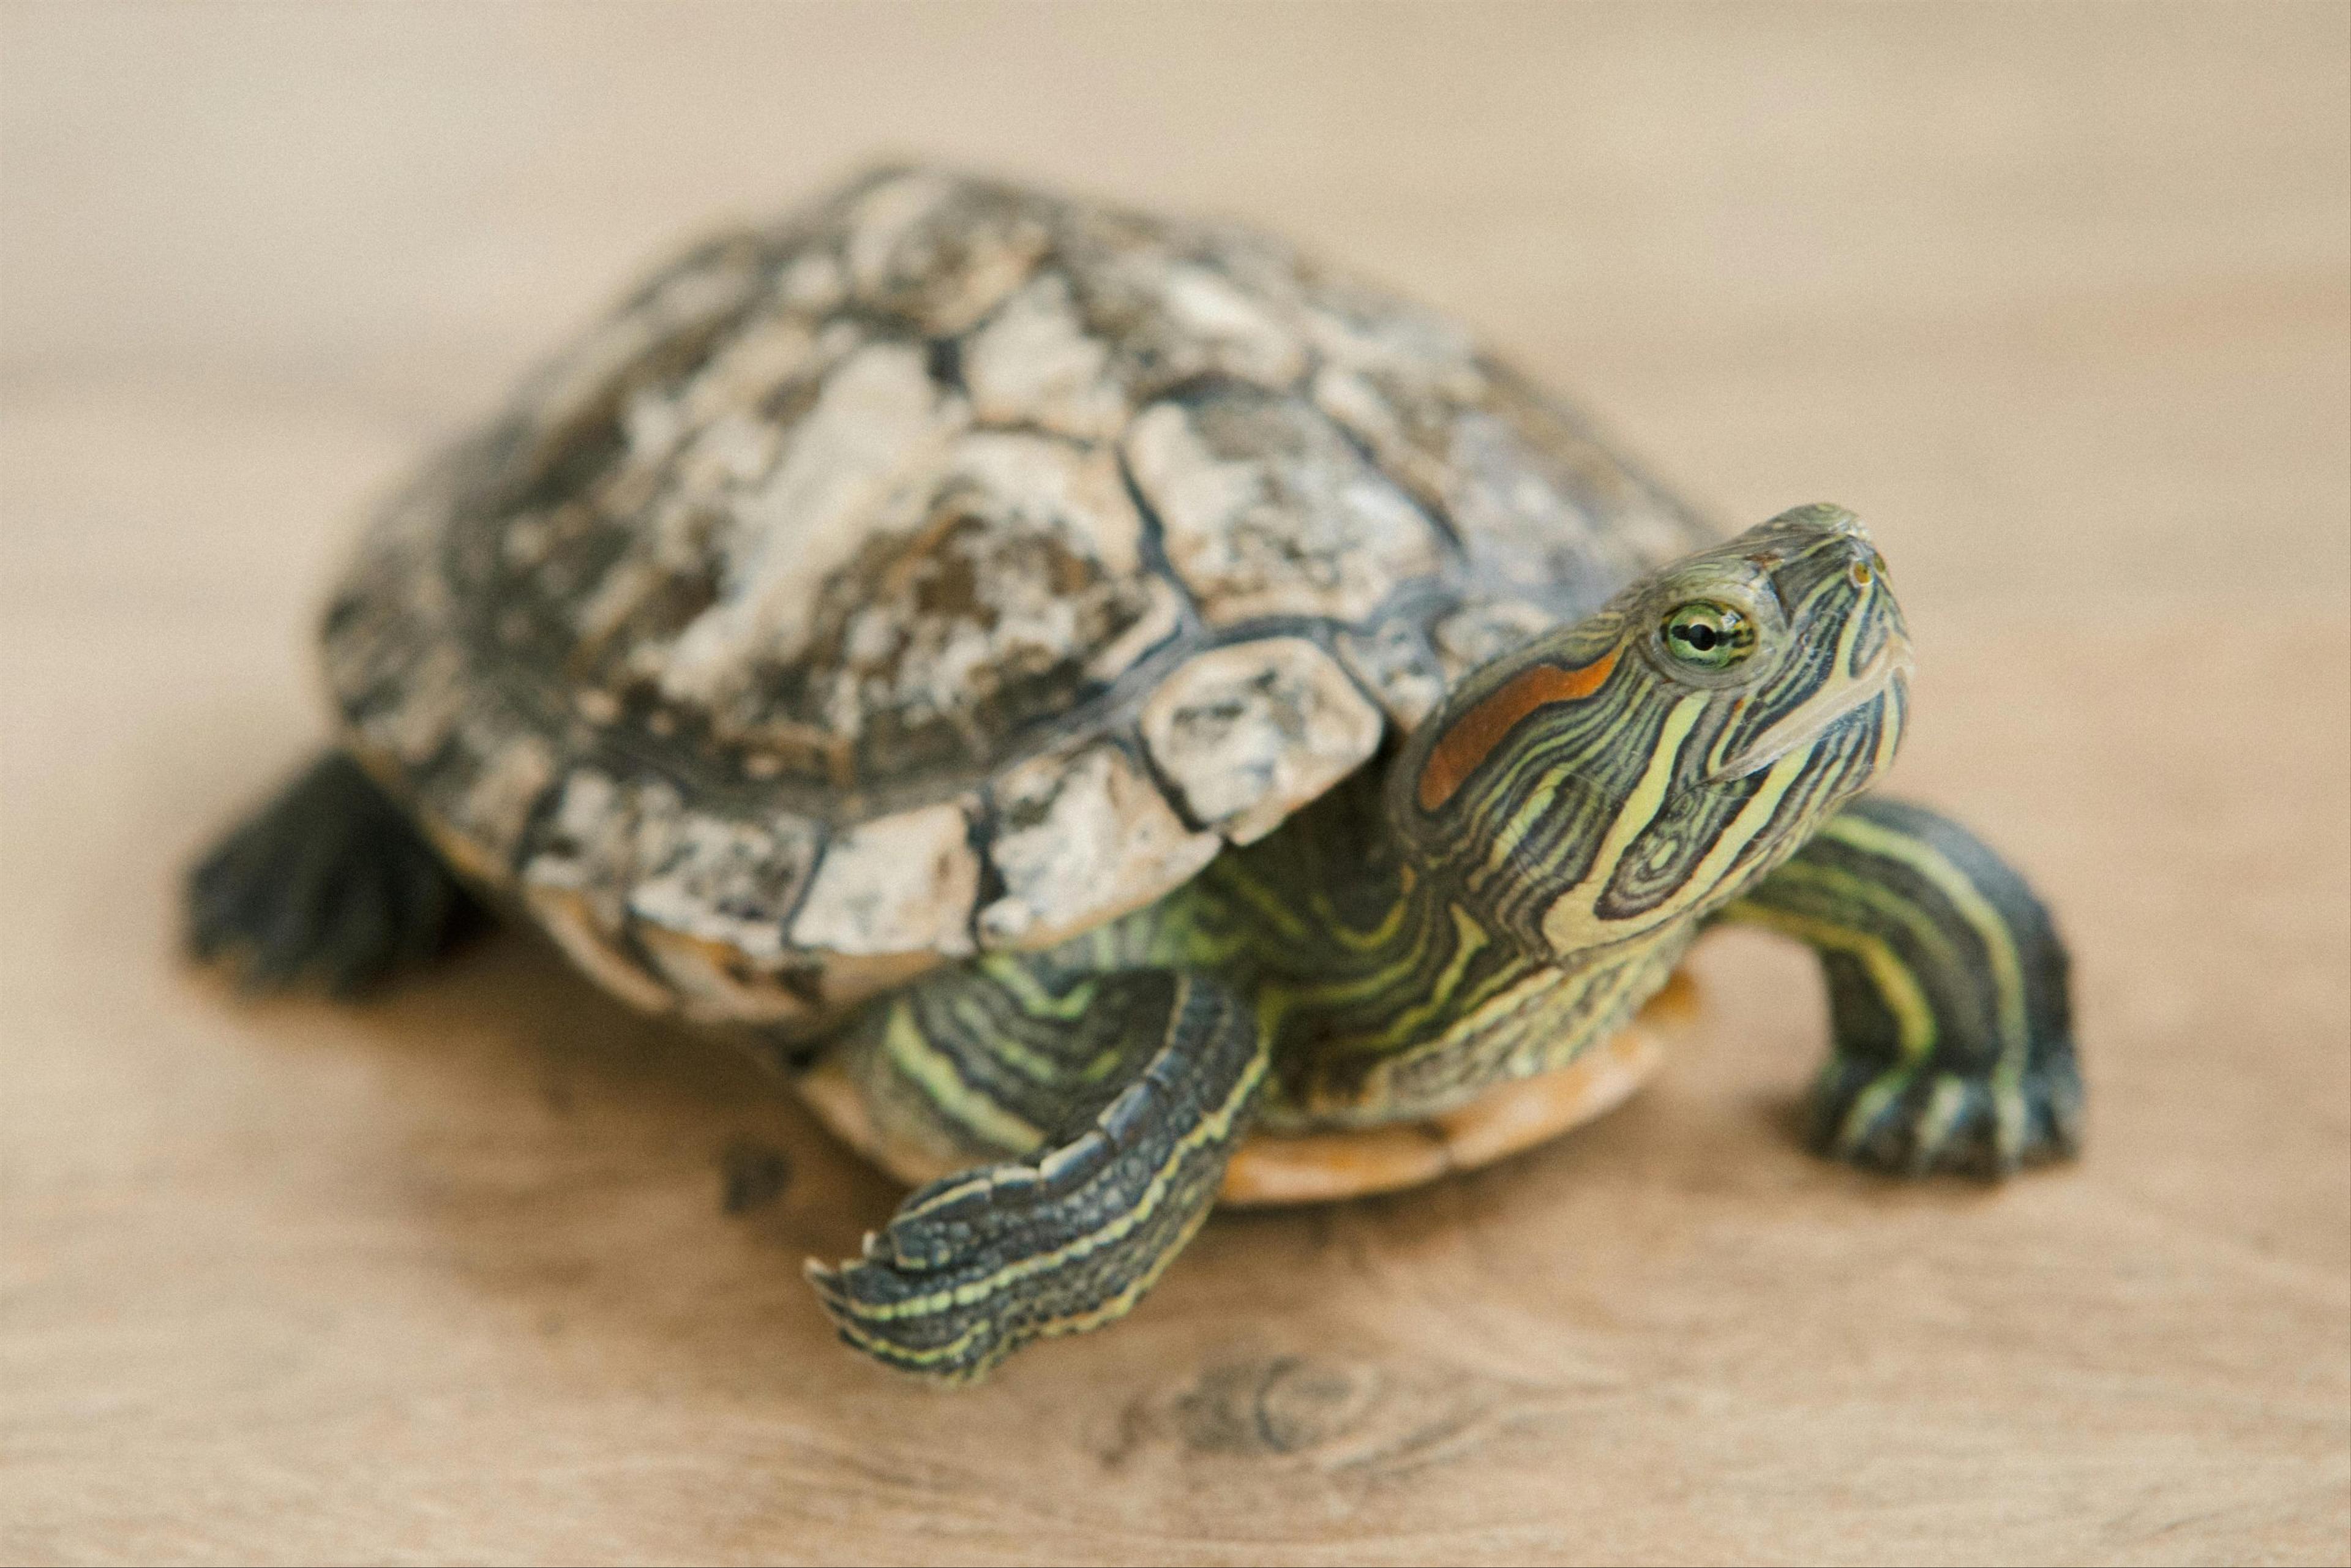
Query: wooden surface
{"x":2060,"y":299}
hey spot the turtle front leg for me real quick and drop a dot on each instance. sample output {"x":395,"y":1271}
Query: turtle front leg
{"x":1154,"y":1074}
{"x":1948,"y":994}
{"x":329,"y":884}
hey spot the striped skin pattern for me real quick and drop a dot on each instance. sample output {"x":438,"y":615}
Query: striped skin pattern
{"x":1948,"y":994}
{"x":1385,"y":996}
{"x":978,"y":1264}
{"x":1525,"y":875}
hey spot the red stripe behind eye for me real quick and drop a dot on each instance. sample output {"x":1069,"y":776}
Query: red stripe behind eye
{"x":1476,"y":732}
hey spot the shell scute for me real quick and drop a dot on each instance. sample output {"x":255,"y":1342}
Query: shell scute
{"x":949,"y":566}
{"x":1266,"y":510}
{"x":1080,"y":839}
{"x":1249,"y":732}
{"x":901,"y":884}
{"x":1038,"y":364}
{"x":941,"y":252}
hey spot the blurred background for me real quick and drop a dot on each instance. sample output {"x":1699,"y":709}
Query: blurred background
{"x":2059,"y":298}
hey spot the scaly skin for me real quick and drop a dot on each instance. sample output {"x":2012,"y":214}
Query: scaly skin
{"x":1948,"y":994}
{"x":1529,"y":872}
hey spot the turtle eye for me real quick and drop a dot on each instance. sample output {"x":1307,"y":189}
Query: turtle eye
{"x":1708,"y":635}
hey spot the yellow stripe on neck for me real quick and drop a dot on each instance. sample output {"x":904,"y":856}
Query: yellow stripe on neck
{"x":1570,"y":924}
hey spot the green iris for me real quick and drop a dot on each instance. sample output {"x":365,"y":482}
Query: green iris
{"x":1710,"y":635}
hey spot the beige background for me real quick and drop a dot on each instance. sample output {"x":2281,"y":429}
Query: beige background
{"x":2060,"y":298}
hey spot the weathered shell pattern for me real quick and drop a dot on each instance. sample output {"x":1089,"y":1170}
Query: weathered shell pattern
{"x":949,"y":568}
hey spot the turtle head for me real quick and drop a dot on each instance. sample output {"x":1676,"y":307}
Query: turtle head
{"x":1637,"y":768}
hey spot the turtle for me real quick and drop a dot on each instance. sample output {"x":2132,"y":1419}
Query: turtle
{"x":1124,"y":714}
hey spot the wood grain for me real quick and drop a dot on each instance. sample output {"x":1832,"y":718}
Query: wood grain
{"x":2059,"y":298}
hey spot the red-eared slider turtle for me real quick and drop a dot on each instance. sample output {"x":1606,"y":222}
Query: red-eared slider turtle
{"x":1087,"y":694}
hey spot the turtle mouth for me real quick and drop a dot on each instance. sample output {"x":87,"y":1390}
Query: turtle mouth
{"x":1809,"y":720}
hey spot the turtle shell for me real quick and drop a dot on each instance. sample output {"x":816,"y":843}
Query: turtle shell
{"x":949,"y":567}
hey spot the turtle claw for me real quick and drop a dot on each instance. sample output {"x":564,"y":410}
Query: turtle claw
{"x":826,"y":1282}
{"x":328,"y":886}
{"x":1912,"y":1122}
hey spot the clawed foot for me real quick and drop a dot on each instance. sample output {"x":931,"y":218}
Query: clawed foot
{"x":1918,"y":1121}
{"x":327,"y":885}
{"x":976,"y":1265}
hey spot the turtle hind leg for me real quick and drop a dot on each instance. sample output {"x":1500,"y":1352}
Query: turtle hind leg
{"x":1949,"y":995}
{"x":329,"y":885}
{"x":1069,"y":1238}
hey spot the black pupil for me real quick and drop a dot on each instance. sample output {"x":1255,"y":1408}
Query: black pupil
{"x":1702,"y":638}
